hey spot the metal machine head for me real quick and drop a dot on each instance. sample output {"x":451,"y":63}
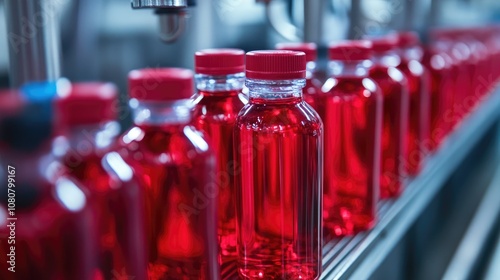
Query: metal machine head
{"x":172,"y":13}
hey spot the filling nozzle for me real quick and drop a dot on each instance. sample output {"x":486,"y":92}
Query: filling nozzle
{"x":172,"y":13}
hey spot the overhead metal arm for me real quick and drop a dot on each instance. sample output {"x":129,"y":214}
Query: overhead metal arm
{"x":34,"y":41}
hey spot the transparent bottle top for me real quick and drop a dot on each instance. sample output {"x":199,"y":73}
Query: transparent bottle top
{"x":85,"y":138}
{"x":278,"y":90}
{"x":222,"y":83}
{"x":412,"y":53}
{"x":352,"y":68}
{"x":161,"y":112}
{"x":388,"y":59}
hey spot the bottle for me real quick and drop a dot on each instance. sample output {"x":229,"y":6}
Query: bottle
{"x":46,"y":231}
{"x":479,"y":53}
{"x":87,"y":128}
{"x":480,"y":70}
{"x":493,"y":44}
{"x":418,"y":85}
{"x":394,"y":89}
{"x":488,"y":35}
{"x":465,"y":89}
{"x":175,"y":165}
{"x":461,"y":75}
{"x":442,"y":85}
{"x":351,"y":110}
{"x":219,"y":78}
{"x":313,"y":85}
{"x":278,"y":153}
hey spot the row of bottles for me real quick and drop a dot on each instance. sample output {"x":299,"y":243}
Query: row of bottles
{"x":252,"y":169}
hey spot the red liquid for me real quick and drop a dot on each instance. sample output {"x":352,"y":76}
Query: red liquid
{"x":465,"y":98}
{"x":394,"y":128}
{"x":495,"y":61}
{"x":53,"y":230}
{"x":479,"y":76}
{"x":453,"y":94}
{"x":483,"y":76}
{"x":352,"y":115}
{"x":311,"y":89}
{"x":279,"y":160}
{"x":176,"y":170}
{"x":215,"y":113}
{"x":441,"y":86}
{"x":117,"y":210}
{"x":419,"y":110}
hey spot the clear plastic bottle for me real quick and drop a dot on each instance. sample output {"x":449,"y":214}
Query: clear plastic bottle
{"x":176,"y":167}
{"x":462,"y":71}
{"x":442,"y":85}
{"x":313,"y":85}
{"x":477,"y":62}
{"x":351,"y":110}
{"x":278,"y":152}
{"x":219,"y":78}
{"x":419,"y":86}
{"x":45,"y":222}
{"x":395,"y":115}
{"x":479,"y":55}
{"x":493,"y":44}
{"x":87,"y":128}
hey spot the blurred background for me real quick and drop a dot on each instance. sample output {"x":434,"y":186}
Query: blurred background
{"x":451,"y":231}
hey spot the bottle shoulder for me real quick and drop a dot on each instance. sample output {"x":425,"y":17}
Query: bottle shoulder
{"x":388,"y":77}
{"x":101,"y":174}
{"x":41,"y":203}
{"x":353,"y":87}
{"x":279,"y":117}
{"x":412,"y":68}
{"x":164,"y":145}
{"x":218,"y":108}
{"x":221,"y":97}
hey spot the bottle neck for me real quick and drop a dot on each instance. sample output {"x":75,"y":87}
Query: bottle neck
{"x":160,"y":113}
{"x":262,"y":91}
{"x":86,"y":138}
{"x":387,"y":59}
{"x":352,"y":68}
{"x":208,"y":84}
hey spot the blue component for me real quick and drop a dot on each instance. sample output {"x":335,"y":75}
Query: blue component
{"x":39,"y":91}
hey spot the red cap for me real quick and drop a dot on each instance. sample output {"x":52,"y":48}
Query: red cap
{"x":87,"y":103}
{"x":11,"y":102}
{"x":383,"y":44}
{"x":408,"y":39}
{"x":276,"y":65}
{"x":350,"y":50}
{"x":436,"y":34}
{"x":446,"y":33}
{"x":219,"y":61}
{"x":309,"y":49}
{"x":161,"y":84}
